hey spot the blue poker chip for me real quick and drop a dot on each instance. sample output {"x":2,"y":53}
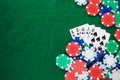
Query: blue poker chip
{"x":105,"y":9}
{"x":90,"y":64}
{"x":100,"y":56}
{"x":118,"y":65}
{"x":119,"y":5}
{"x":79,"y":40}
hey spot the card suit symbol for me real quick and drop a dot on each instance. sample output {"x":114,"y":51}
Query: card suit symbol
{"x":93,"y":40}
{"x":95,"y":34}
{"x":104,"y":37}
{"x":101,"y":43}
{"x":98,"y":39}
{"x":90,"y":44}
{"x":82,"y":32}
{"x":99,"y":48}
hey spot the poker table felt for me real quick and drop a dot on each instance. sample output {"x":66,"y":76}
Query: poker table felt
{"x":34,"y":32}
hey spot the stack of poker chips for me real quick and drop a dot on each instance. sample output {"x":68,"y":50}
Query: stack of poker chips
{"x":108,"y":10}
{"x":84,"y":62}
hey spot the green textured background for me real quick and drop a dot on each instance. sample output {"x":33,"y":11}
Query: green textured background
{"x":33,"y":33}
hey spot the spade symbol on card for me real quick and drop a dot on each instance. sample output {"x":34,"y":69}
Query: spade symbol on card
{"x":90,"y":44}
{"x":101,"y":43}
{"x":98,"y":39}
{"x":93,"y":40}
{"x":99,"y":48}
{"x":95,"y":34}
{"x":104,"y":37}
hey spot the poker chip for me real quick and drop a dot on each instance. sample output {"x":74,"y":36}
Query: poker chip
{"x":78,"y":66}
{"x":118,"y":56}
{"x":89,"y":54}
{"x":63,"y":62}
{"x":113,"y":4}
{"x":95,"y":72}
{"x":105,"y":2}
{"x":119,"y":5}
{"x":83,"y":76}
{"x":117,"y":16}
{"x":100,"y":56}
{"x":92,"y":9}
{"x":79,"y":40}
{"x":105,"y":9}
{"x":94,"y":1}
{"x":108,"y":19}
{"x":104,"y":79}
{"x":115,"y":75}
{"x":106,"y":71}
{"x":110,"y":61}
{"x":117,"y":34}
{"x":73,"y":49}
{"x":70,"y":75}
{"x":81,"y":2}
{"x":112,"y":46}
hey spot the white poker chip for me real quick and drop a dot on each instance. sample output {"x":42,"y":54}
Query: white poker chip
{"x":89,"y":54}
{"x":115,"y":75}
{"x":83,"y":76}
{"x":109,"y":61}
{"x":81,"y":2}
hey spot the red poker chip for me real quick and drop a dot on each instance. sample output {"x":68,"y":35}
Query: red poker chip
{"x":70,"y":75}
{"x":108,"y":19}
{"x":78,"y":66}
{"x":104,"y":79}
{"x":94,"y":1}
{"x":92,"y":9}
{"x":117,"y":34}
{"x":95,"y":72}
{"x":73,"y":49}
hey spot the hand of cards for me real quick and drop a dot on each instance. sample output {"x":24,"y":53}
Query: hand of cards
{"x":92,"y":35}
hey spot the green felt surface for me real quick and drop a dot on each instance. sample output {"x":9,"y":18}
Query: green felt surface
{"x":34,"y":32}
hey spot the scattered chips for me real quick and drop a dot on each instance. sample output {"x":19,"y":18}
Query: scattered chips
{"x":92,"y":56}
{"x":117,"y":34}
{"x":112,"y":46}
{"x":92,"y":9}
{"x":73,"y":49}
{"x":108,"y":19}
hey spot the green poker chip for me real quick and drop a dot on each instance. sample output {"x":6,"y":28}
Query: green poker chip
{"x":118,"y":56}
{"x":112,"y":46}
{"x":105,"y":2}
{"x":63,"y":61}
{"x":111,"y":3}
{"x":117,"y":16}
{"x":107,"y":74}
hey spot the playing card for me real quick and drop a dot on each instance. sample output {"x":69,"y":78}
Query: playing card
{"x":83,"y":31}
